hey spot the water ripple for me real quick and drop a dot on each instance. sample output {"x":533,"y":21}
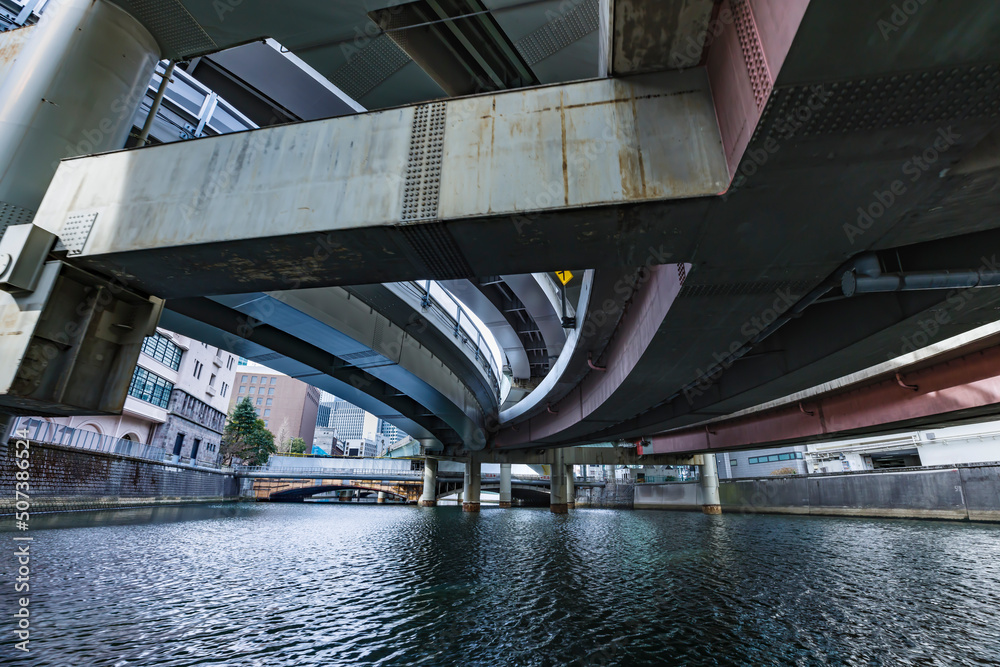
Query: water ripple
{"x":277,"y":585}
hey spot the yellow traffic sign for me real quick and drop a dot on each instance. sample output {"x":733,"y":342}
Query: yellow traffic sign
{"x":564,"y":276}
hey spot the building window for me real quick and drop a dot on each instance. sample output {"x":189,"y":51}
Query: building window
{"x":265,"y":423}
{"x":271,"y":391}
{"x":244,"y":379}
{"x":225,"y":387}
{"x":274,"y":380}
{"x":252,"y":390}
{"x":772,"y":458}
{"x":150,"y":387}
{"x":267,"y":413}
{"x":243,"y":390}
{"x":211,"y":380}
{"x":733,"y":462}
{"x":162,"y":349}
{"x":229,"y":363}
{"x":197,"y":369}
{"x":253,"y":380}
{"x":270,"y":401}
{"x":260,"y":401}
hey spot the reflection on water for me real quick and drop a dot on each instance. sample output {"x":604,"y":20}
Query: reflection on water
{"x":333,"y":584}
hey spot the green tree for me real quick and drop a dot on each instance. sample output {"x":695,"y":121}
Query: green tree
{"x":246,"y":437}
{"x":297,"y":446}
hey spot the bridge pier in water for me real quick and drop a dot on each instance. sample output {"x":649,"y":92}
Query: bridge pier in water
{"x":472,"y":485}
{"x":429,"y":496}
{"x":381,"y":497}
{"x":711,"y":503}
{"x":557,"y":484}
{"x":505,"y":495}
{"x":570,"y":487}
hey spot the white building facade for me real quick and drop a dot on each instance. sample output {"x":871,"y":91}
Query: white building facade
{"x":968,"y":443}
{"x":177,"y":399}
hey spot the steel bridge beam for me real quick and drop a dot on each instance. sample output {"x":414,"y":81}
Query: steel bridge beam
{"x":963,"y":385}
{"x":504,"y":183}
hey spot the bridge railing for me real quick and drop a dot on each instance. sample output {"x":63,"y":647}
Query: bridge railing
{"x":247,"y":470}
{"x":375,"y":473}
{"x":450,"y":312}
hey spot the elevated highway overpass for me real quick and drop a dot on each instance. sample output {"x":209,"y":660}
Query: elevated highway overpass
{"x":763,"y":198}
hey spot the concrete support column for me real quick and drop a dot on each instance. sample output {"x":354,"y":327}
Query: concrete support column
{"x":505,"y":496}
{"x":381,"y":497}
{"x":6,"y":427}
{"x":570,"y":487}
{"x":472,"y":484}
{"x":429,"y":497}
{"x":460,"y":498}
{"x":72,"y":90}
{"x":711,"y":504}
{"x":557,"y":484}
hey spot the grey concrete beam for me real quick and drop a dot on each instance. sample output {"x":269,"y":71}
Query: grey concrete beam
{"x":534,"y":178}
{"x":651,"y":36}
{"x":404,"y":357}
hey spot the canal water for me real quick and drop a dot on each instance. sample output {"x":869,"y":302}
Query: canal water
{"x":332,"y":584}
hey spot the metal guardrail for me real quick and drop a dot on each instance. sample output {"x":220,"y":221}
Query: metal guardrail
{"x":438,"y":301}
{"x":15,"y":14}
{"x":190,"y":109}
{"x":364,"y":473}
{"x":36,"y":430}
{"x":353,"y":472}
{"x":657,"y":479}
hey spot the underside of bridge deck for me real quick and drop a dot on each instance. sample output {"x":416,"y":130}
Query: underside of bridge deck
{"x":722,"y":182}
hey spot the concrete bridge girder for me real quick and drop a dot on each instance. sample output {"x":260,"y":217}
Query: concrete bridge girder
{"x":209,"y":321}
{"x":515,"y":159}
{"x":524,"y":314}
{"x":409,"y":358}
{"x":574,"y":405}
{"x":953,"y":385}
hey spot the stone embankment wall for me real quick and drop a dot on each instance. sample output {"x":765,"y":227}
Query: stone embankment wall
{"x":64,"y":478}
{"x":969,"y":492}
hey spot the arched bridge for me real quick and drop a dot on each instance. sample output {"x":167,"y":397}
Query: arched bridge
{"x":286,"y":483}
